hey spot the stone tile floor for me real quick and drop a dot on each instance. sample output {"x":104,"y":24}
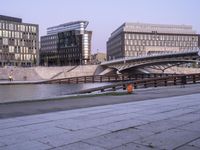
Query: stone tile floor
{"x":167,"y":123}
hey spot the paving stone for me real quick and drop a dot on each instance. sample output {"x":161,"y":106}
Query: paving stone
{"x":133,"y":146}
{"x":94,"y":116}
{"x":152,"y":118}
{"x":79,"y":146}
{"x":7,"y":125}
{"x":118,"y":138}
{"x":189,"y":117}
{"x":188,"y":147}
{"x":18,"y":138}
{"x":175,"y":121}
{"x":169,"y":139}
{"x":41,"y":126}
{"x":197,"y":112}
{"x":3,"y":121}
{"x":178,"y":112}
{"x":30,"y":145}
{"x":195,"y":143}
{"x":19,"y":123}
{"x":126,"y":110}
{"x":1,"y":144}
{"x":72,"y":137}
{"x":161,"y":125}
{"x":194,"y":126}
{"x":74,"y":124}
{"x":13,"y":131}
{"x":122,"y":124}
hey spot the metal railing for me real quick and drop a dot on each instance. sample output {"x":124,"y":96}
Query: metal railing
{"x":103,"y":78}
{"x":145,"y":83}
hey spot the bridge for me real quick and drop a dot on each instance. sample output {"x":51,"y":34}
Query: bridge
{"x":159,"y":62}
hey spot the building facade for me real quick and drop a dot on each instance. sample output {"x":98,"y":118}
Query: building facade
{"x":98,"y":58}
{"x":139,"y":39}
{"x":19,"y":42}
{"x":66,"y":44}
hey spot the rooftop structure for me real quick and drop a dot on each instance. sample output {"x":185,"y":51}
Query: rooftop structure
{"x":158,"y":28}
{"x":8,"y":18}
{"x":75,"y":25}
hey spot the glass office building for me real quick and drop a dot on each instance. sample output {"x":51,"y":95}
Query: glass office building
{"x":139,"y":39}
{"x":66,"y":44}
{"x":18,"y":42}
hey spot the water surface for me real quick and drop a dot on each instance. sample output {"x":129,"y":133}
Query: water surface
{"x":37,"y":91}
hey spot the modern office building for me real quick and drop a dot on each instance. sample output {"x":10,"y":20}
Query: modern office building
{"x":18,"y":42}
{"x":138,"y":39}
{"x":66,"y":44}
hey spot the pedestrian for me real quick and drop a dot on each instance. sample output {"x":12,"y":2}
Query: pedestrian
{"x":10,"y":78}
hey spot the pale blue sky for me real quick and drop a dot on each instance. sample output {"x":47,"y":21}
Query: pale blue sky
{"x":104,"y":15}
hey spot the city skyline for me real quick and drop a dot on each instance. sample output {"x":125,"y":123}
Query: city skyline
{"x":103,"y":16}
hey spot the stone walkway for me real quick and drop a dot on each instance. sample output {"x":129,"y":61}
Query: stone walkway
{"x":167,"y":123}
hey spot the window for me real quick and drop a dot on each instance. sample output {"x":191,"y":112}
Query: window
{"x":16,"y":34}
{"x":139,"y":42}
{"x":137,"y":36}
{"x":3,"y":25}
{"x":23,"y":28}
{"x":145,"y":37}
{"x":5,"y":41}
{"x":6,"y":26}
{"x":11,"y":49}
{"x":5,"y":33}
{"x":151,"y":43}
{"x":11,"y":27}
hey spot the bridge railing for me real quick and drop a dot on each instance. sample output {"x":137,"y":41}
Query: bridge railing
{"x":103,"y":78}
{"x":124,"y":59}
{"x":145,"y":83}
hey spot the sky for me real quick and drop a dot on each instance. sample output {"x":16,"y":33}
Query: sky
{"x":104,"y":16}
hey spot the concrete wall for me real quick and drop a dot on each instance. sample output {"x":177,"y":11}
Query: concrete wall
{"x":44,"y":73}
{"x":19,"y":73}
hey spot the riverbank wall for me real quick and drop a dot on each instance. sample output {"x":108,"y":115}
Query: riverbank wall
{"x":46,"y":73}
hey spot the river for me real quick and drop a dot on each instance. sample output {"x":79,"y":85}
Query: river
{"x":10,"y":93}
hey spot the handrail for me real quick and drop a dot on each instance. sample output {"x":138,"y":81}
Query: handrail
{"x":151,"y":82}
{"x":103,"y":78}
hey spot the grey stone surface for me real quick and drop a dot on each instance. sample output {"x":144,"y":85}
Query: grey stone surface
{"x":194,"y":126}
{"x":72,"y":137}
{"x":79,"y":146}
{"x":169,"y":139}
{"x":164,"y":123}
{"x":31,"y":135}
{"x":1,"y":144}
{"x":195,"y":143}
{"x":118,"y":138}
{"x":191,"y":117}
{"x":30,"y":145}
{"x":122,"y":124}
{"x":133,"y":146}
{"x":188,"y":147}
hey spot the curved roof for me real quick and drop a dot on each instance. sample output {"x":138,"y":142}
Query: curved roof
{"x":75,"y":25}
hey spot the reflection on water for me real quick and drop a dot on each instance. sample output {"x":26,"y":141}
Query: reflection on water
{"x":37,"y":91}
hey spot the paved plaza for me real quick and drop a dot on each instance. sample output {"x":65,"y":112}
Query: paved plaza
{"x":164,"y":123}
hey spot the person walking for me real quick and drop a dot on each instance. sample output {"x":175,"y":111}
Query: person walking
{"x":10,"y":77}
